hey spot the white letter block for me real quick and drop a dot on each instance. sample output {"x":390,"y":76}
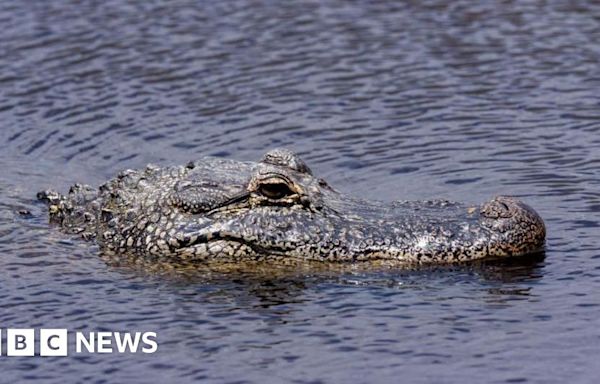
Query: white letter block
{"x":53,"y":342}
{"x":20,"y":342}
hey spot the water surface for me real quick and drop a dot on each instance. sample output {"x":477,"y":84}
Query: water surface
{"x":414,"y":100}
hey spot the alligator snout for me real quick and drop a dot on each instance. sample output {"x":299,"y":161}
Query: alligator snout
{"x":522,"y":229}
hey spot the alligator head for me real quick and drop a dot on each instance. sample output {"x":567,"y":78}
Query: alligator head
{"x":276,"y":209}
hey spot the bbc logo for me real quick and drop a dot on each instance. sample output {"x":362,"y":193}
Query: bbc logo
{"x":53,"y":342}
{"x":21,"y":342}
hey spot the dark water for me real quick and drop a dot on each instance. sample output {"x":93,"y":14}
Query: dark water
{"x":411,"y":100}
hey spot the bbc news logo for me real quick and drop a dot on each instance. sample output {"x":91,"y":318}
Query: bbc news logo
{"x":55,"y":342}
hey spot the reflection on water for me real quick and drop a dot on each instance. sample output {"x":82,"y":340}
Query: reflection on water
{"x":516,"y":270}
{"x":385,"y":100}
{"x":268,"y":284}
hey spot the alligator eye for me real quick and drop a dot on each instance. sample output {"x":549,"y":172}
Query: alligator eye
{"x":275,"y":191}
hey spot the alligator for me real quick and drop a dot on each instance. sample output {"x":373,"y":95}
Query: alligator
{"x":276,"y":209}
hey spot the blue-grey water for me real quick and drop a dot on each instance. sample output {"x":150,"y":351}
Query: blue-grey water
{"x":386,"y":100}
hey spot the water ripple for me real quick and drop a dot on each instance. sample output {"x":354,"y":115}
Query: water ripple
{"x":387,"y":100}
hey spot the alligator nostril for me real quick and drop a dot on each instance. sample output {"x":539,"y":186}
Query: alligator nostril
{"x":496,"y":209}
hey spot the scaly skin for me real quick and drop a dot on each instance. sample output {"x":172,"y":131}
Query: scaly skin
{"x":276,"y":209}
